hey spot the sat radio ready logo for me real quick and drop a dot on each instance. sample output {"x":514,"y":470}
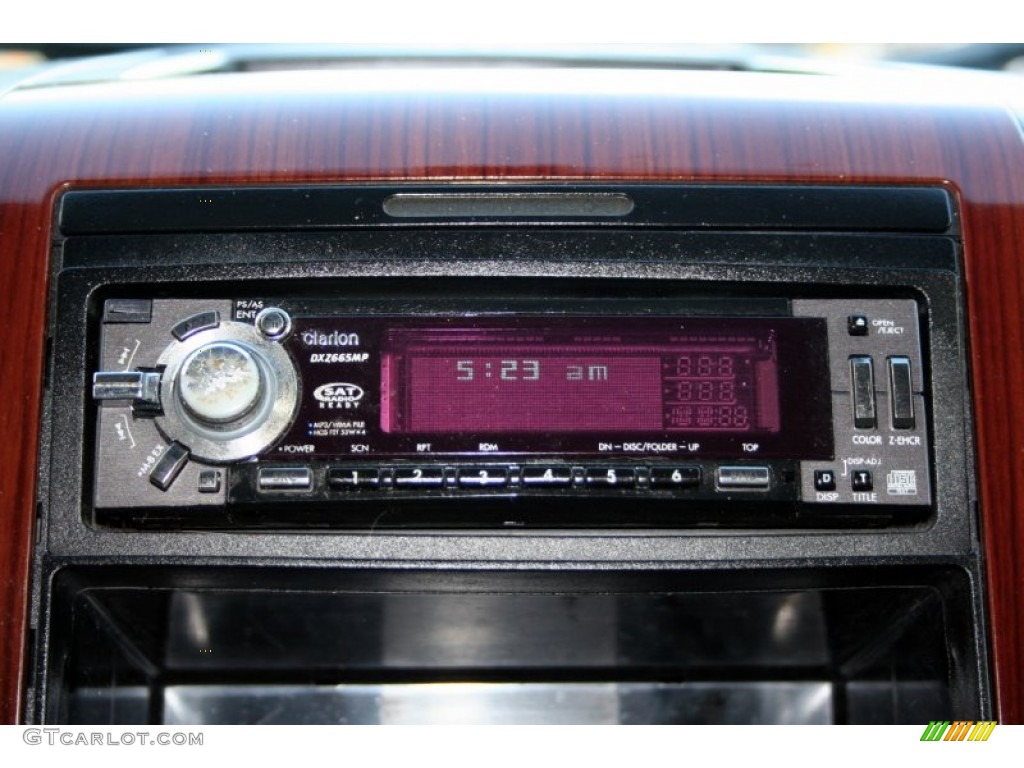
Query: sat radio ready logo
{"x":959,"y":730}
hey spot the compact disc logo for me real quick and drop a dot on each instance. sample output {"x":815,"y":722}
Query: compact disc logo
{"x":338,"y":394}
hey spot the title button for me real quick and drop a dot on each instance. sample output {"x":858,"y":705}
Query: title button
{"x":861,"y":480}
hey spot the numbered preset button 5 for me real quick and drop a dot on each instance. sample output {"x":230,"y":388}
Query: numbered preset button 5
{"x":611,"y":477}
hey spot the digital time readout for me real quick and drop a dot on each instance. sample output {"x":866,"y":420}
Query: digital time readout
{"x":692,"y":383}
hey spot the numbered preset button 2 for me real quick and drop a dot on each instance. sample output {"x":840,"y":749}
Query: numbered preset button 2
{"x":419,"y":477}
{"x":675,"y":477}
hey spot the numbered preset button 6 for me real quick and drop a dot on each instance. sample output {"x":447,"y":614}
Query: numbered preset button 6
{"x":675,"y":477}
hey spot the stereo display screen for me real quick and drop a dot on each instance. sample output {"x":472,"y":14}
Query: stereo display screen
{"x":458,"y":379}
{"x":542,"y":385}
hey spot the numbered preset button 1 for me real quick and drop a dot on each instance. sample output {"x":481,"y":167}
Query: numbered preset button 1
{"x":419,"y":477}
{"x":352,"y":478}
{"x":675,"y":477}
{"x":611,"y":477}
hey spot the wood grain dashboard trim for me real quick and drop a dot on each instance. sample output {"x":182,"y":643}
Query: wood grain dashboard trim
{"x":253,"y":129}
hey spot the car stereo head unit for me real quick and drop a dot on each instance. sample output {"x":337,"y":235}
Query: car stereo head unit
{"x":298,"y":410}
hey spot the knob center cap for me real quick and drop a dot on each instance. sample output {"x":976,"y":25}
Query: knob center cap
{"x":220,"y":382}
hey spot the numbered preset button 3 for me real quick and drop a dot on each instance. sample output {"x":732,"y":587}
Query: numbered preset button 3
{"x":481,"y":477}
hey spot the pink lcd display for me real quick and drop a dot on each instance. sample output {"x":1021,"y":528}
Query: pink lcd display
{"x":635,"y":377}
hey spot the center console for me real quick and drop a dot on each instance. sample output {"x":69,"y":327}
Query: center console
{"x":670,"y":453}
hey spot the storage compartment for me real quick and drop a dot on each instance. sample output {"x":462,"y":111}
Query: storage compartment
{"x":180,"y":646}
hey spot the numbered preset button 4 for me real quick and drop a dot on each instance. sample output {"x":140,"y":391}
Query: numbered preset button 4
{"x":546,"y":477}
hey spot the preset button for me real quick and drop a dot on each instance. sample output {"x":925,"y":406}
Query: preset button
{"x":482,"y":477}
{"x":352,"y":478}
{"x":611,"y":477}
{"x":546,"y":477}
{"x":419,"y":477}
{"x":675,"y":477}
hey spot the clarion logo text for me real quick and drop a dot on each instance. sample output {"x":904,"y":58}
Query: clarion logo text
{"x":332,"y":339}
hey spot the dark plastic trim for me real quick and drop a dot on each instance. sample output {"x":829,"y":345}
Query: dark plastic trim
{"x":830,"y":208}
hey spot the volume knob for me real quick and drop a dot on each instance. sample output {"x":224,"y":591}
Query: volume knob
{"x":228,"y":392}
{"x":220,"y":383}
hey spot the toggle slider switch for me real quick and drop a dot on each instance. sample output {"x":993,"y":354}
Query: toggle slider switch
{"x":901,"y":386}
{"x":862,"y":378}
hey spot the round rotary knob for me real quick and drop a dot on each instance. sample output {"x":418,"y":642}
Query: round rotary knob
{"x":220,"y":383}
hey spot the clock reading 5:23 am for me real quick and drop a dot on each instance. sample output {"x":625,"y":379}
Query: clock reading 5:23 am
{"x":523,"y":370}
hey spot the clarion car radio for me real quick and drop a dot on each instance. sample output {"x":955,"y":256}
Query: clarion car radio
{"x":581,"y":357}
{"x":499,"y":453}
{"x":286,"y":409}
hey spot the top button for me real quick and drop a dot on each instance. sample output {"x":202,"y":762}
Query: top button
{"x":857,"y":325}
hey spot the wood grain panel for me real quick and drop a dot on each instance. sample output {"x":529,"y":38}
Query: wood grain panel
{"x":248,"y":129}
